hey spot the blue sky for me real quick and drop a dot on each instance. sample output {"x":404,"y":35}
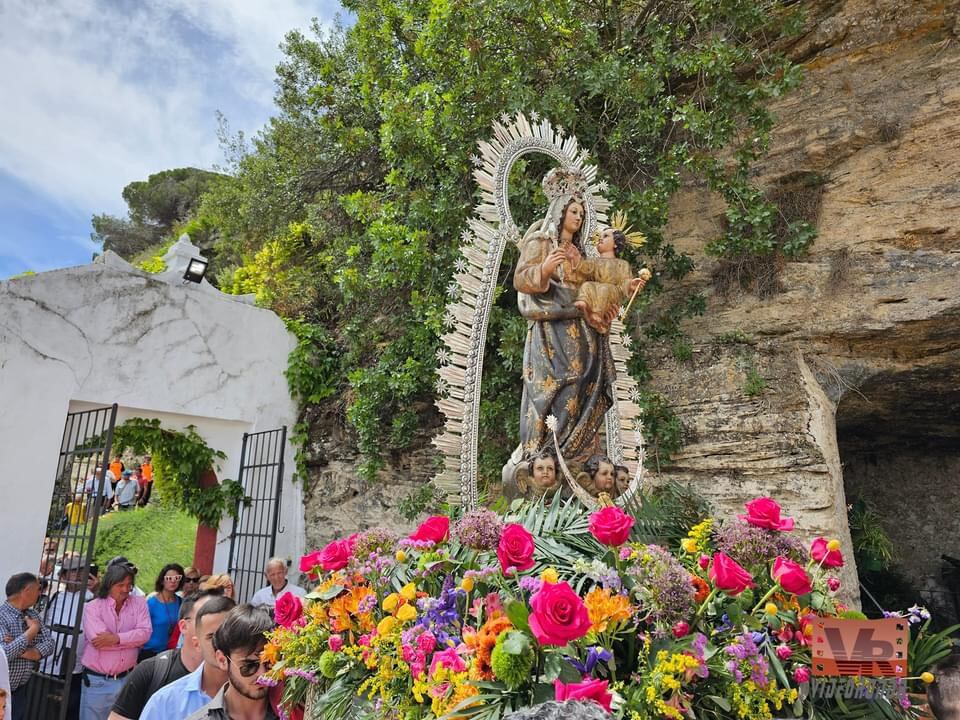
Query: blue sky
{"x":97,"y":93}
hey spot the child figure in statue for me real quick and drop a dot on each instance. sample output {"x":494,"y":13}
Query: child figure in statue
{"x":599,"y":476}
{"x":606,"y":281}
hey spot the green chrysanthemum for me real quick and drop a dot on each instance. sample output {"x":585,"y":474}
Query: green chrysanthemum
{"x":330,"y":664}
{"x":512,"y":659}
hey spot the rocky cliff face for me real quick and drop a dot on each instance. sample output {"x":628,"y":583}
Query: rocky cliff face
{"x":802,"y":370}
{"x":853,"y":353}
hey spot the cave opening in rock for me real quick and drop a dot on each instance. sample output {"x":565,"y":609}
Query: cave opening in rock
{"x":899,"y":440}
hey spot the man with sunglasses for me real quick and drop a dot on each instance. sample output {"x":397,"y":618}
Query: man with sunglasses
{"x":194,"y":691}
{"x":239,"y":641}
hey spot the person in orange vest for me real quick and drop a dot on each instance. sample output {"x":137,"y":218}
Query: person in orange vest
{"x":146,"y":480}
{"x":117,"y":468}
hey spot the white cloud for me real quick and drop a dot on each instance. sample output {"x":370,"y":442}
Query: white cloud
{"x":97,"y":93}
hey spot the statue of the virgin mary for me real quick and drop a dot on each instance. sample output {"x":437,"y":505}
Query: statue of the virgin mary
{"x":568,"y":370}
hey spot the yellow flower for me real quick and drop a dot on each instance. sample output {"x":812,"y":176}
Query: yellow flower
{"x":386,"y":625}
{"x":770,"y":608}
{"x":390,"y":602}
{"x":550,"y":575}
{"x":927,"y":677}
{"x":467,"y":584}
{"x":833,"y":545}
{"x":406,"y":613}
{"x":689,"y":545}
{"x":401,"y":556}
{"x":409,"y":592}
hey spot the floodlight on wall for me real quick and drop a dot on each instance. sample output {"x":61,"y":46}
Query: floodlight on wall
{"x":196,"y":269}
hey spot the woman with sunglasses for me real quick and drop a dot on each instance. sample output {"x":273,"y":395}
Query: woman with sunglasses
{"x":164,"y":609}
{"x":191,"y":581}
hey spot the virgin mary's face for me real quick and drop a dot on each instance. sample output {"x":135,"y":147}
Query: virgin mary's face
{"x":573,"y":217}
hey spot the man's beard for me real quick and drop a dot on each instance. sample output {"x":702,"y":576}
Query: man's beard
{"x":258,"y":692}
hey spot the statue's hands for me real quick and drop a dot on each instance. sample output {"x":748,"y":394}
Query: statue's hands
{"x":572,"y":255}
{"x":551,"y":263}
{"x":637,"y":284}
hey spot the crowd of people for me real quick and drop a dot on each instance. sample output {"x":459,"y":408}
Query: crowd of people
{"x":122,"y":489}
{"x":185,"y":651}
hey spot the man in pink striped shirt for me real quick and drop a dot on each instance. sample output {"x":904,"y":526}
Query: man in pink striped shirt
{"x":116,"y":625}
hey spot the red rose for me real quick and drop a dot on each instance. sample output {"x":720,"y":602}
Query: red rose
{"x":728,"y":576}
{"x":435,"y":529}
{"x":309,"y":562}
{"x":594,"y":690}
{"x":558,"y":615}
{"x":516,"y":548}
{"x":765,"y":513}
{"x":791,"y":576}
{"x":823,"y":555}
{"x":289,"y":609}
{"x":335,"y":555}
{"x":611,"y":525}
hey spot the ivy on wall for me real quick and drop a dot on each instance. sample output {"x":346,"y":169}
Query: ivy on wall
{"x":180,"y":458}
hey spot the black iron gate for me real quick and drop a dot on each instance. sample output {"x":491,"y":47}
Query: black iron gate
{"x":80,"y":492}
{"x":255,"y":528}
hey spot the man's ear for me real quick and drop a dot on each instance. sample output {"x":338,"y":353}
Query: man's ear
{"x":182,"y":624}
{"x":222,"y":661}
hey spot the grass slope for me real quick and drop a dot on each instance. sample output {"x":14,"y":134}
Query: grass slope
{"x":150,"y":537}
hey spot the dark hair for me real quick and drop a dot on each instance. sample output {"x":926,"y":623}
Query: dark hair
{"x":115,"y":574}
{"x":215,"y":605}
{"x":593,"y":464}
{"x":943,"y":693}
{"x":542,"y":455}
{"x":19,"y":582}
{"x":618,"y":468}
{"x":243,"y":629}
{"x":563,"y":214}
{"x":158,"y":585}
{"x":619,"y":242}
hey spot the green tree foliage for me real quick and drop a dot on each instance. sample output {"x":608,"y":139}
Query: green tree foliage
{"x":346,"y":211}
{"x":157,"y":207}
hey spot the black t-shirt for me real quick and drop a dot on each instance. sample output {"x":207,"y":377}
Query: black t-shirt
{"x":140,"y":684}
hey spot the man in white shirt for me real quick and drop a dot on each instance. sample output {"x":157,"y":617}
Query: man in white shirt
{"x":276,"y":573}
{"x":191,"y":692}
{"x":126,"y":492}
{"x":93,"y":480}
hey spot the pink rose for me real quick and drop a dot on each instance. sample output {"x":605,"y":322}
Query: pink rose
{"x":449,"y":659}
{"x":611,"y":526}
{"x":558,"y":615}
{"x":784,"y":652}
{"x":833,"y":584}
{"x":791,"y":576}
{"x":335,"y":642}
{"x":335,"y":555}
{"x":516,"y":548}
{"x":594,"y":690}
{"x":826,"y":557}
{"x":728,"y":576}
{"x":801,"y":675}
{"x":435,"y":529}
{"x":681,"y":629}
{"x":765,"y":513}
{"x":704,"y":561}
{"x":426,"y":643}
{"x":309,"y":562}
{"x":289,"y":609}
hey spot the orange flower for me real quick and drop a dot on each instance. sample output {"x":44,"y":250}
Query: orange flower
{"x":485,"y":640}
{"x":702,"y":588}
{"x":343,"y":611}
{"x":270,"y":653}
{"x":606,"y":608}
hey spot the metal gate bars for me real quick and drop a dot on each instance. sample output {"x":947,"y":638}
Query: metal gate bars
{"x":79,"y":497}
{"x":255,"y":527}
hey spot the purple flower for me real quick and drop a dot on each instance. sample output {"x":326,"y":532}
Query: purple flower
{"x":266,"y":681}
{"x":752,"y":546}
{"x":662,"y":586}
{"x":297,"y":672}
{"x":594,"y":655}
{"x":530,"y":584}
{"x":479,"y":529}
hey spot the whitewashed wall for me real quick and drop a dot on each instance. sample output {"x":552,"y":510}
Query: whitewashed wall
{"x":107,"y":333}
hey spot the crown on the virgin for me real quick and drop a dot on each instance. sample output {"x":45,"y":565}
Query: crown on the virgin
{"x":564,"y":181}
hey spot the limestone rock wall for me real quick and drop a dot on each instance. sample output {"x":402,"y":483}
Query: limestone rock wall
{"x":863,"y":339}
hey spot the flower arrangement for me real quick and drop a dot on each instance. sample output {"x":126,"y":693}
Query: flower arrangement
{"x":497,"y":612}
